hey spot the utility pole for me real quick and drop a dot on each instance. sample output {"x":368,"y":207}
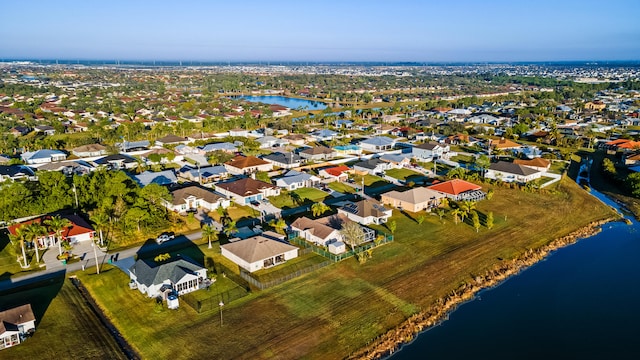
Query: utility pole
{"x":95,"y":256}
{"x":75,"y":193}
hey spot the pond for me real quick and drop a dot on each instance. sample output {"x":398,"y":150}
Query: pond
{"x":292,"y":103}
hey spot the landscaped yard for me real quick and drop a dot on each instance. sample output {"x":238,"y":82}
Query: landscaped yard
{"x":402,"y":173}
{"x":302,"y":196}
{"x":236,"y":212}
{"x":341,"y":187}
{"x":8,"y":254}
{"x":369,"y":181}
{"x":290,"y":267}
{"x":346,"y":305}
{"x":558,"y":167}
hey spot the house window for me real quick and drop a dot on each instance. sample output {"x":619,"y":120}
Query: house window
{"x":268,"y":262}
{"x":280,"y":259}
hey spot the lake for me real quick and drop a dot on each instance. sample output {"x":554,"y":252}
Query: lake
{"x":289,"y":102}
{"x":579,"y":303}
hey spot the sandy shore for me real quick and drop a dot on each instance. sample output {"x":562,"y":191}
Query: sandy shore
{"x":390,"y":342}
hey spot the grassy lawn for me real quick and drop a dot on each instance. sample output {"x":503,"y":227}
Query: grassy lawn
{"x":558,"y":167}
{"x":65,"y":325}
{"x":345,"y":305}
{"x":290,"y":267}
{"x":341,"y":188}
{"x":236,"y":212}
{"x":463,"y":159}
{"x":286,"y":199}
{"x":402,"y":173}
{"x":369,"y":180}
{"x":8,"y":255}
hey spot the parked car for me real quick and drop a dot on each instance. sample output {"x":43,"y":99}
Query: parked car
{"x":163,"y":238}
{"x":255,"y":203}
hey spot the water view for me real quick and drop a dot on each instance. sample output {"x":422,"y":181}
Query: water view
{"x":292,"y":103}
{"x":580,"y":303}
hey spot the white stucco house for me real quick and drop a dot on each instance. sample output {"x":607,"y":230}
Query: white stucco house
{"x":195,"y":197}
{"x":510,"y":172}
{"x":179,"y":274}
{"x":15,"y":324}
{"x":43,"y":156}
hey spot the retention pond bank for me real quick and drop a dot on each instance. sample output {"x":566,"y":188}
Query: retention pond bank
{"x":581,"y":302}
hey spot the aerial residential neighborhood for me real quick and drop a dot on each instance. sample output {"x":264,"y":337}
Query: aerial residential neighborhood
{"x":291,"y":210}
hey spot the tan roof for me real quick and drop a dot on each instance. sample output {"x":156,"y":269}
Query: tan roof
{"x":415,"y":196}
{"x":504,"y":144}
{"x":315,"y":227}
{"x":537,"y":162}
{"x":171,"y":139}
{"x":180,"y":195}
{"x":90,"y":148}
{"x":365,"y":208}
{"x":317,"y":150}
{"x":242,"y":162}
{"x":16,"y":316}
{"x":245,"y":187}
{"x":257,"y":248}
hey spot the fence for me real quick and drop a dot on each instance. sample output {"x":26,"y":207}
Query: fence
{"x":221,"y":269}
{"x":387,"y":238}
{"x":270,"y":283}
{"x":213,"y":303}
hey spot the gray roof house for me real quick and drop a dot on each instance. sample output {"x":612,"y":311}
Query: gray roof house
{"x":293,"y":180}
{"x":117,"y":161}
{"x":180,"y":274}
{"x":372,"y":166}
{"x":204,"y":174}
{"x":165,"y":177}
{"x":224,"y":146}
{"x":286,"y":160}
{"x":377,"y":143}
{"x":510,"y":172}
{"x":128,"y":146}
{"x":16,"y":172}
{"x":15,"y":324}
{"x":43,"y":156}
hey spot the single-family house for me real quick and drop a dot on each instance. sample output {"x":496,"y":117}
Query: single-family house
{"x":539,"y":164}
{"x":258,"y":252}
{"x":171,"y":140}
{"x":43,"y":156}
{"x":78,"y":231}
{"x":45,"y":129}
{"x":117,"y":162}
{"x":128,"y":146}
{"x":459,"y":190}
{"x":503,"y":144}
{"x":69,"y":167}
{"x":246,"y":190}
{"x":193,"y":198}
{"x":268,"y":141}
{"x":293,"y":180}
{"x":510,"y":172}
{"x":343,"y":124}
{"x":371,"y":166}
{"x":430,"y":150}
{"x":165,"y":177}
{"x":245,"y":165}
{"x":15,"y":325}
{"x":296,"y":139}
{"x":377,"y":143}
{"x":324,"y":135}
{"x":286,"y":160}
{"x":90,"y":150}
{"x":335,"y":173}
{"x":365,"y":212}
{"x":20,"y":130}
{"x":179,"y":274}
{"x":223,"y":146}
{"x":203,"y":175}
{"x":414,"y":200}
{"x":239,"y":133}
{"x":318,"y":153}
{"x":397,"y":160}
{"x":16,"y":172}
{"x":315,"y":231}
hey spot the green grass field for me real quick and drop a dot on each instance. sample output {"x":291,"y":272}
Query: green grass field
{"x":65,"y":325}
{"x":341,"y":188}
{"x":402,"y":174}
{"x":336,"y":310}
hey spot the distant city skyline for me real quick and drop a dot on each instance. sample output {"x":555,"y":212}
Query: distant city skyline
{"x":329,"y":31}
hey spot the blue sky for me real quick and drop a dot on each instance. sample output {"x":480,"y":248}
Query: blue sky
{"x":326,"y":30}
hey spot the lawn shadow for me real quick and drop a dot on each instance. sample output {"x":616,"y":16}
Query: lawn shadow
{"x":176,"y":247}
{"x":38,"y":291}
{"x":405,"y":213}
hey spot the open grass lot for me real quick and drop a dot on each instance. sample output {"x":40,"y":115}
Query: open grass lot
{"x":299,"y":263}
{"x":236,"y":213}
{"x":68,"y":329}
{"x":332,"y":312}
{"x":402,"y":173}
{"x":558,"y":167}
{"x":290,"y":199}
{"x":341,"y":188}
{"x":370,"y":181}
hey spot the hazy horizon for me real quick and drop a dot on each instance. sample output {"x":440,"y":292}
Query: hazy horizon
{"x":460,"y":31}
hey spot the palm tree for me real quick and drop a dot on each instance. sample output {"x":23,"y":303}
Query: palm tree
{"x":21,"y":233}
{"x":319,"y":208}
{"x":455,"y":213}
{"x":34,"y":231}
{"x":466,"y":207}
{"x":279,"y":225}
{"x":57,"y":225}
{"x":230,"y":228}
{"x":100,"y":220}
{"x":210,"y":232}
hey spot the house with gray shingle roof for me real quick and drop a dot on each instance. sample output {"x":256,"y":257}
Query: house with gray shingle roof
{"x":377,"y":143}
{"x":258,"y":252}
{"x":165,"y":177}
{"x":295,"y":179}
{"x":180,"y":274}
{"x":510,"y":172}
{"x":43,"y":156}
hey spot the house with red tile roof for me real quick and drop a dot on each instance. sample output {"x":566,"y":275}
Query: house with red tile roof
{"x":244,"y":165}
{"x":458,"y":190}
{"x":336,"y":173}
{"x":79,"y":230}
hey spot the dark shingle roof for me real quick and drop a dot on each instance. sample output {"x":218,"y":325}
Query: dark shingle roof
{"x":148,"y":272}
{"x":512,"y":168}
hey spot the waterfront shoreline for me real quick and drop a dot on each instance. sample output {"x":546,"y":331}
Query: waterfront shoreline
{"x":390,"y":342}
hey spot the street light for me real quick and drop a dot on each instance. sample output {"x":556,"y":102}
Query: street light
{"x":95,"y":256}
{"x":221,"y":304}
